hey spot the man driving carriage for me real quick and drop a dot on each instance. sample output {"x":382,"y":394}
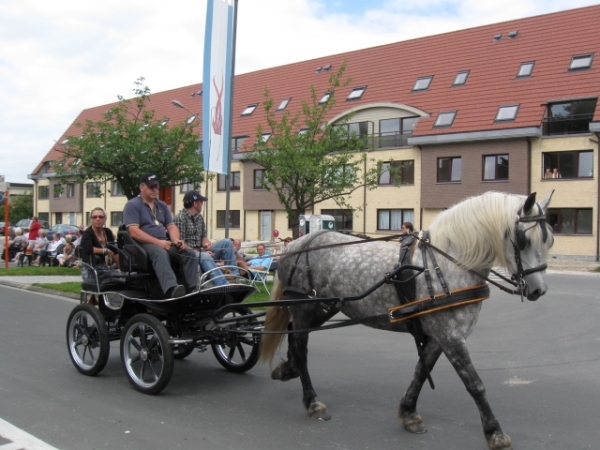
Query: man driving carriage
{"x":148,"y":220}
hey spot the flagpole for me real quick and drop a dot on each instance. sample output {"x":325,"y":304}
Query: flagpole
{"x":228,"y":176}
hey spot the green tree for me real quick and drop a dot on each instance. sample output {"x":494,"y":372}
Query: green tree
{"x":128,"y":142}
{"x":20,"y":207}
{"x":307,"y":160}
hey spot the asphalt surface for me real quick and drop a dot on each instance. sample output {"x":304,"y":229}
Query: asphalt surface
{"x":538,"y":360}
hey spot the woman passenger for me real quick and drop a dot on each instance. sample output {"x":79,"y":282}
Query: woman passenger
{"x":94,"y":240}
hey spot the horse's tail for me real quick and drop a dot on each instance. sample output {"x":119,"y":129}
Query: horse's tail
{"x":277,"y":319}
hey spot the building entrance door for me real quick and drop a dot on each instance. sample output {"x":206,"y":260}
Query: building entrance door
{"x":265,"y":225}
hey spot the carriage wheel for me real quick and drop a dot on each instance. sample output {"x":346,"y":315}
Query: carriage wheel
{"x":146,"y":354}
{"x":239,"y":351}
{"x":87,"y":339}
{"x":181,"y":351}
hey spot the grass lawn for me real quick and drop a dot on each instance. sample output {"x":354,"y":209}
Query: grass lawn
{"x":33,"y":270}
{"x":75,"y":288}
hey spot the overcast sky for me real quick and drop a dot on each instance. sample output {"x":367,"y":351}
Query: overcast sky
{"x":62,"y":56}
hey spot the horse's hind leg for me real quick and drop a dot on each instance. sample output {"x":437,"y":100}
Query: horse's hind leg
{"x":458,"y":355}
{"x":407,"y":413}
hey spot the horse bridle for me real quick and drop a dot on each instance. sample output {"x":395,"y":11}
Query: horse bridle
{"x":520,"y":243}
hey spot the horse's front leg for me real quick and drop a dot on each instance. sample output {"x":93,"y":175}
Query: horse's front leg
{"x":407,"y":413}
{"x":458,"y":355}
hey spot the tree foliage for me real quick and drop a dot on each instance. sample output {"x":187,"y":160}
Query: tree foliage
{"x":308,"y":160}
{"x":21,"y":207}
{"x":129,"y":142}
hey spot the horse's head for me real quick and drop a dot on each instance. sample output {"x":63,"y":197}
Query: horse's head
{"x":529,"y":242}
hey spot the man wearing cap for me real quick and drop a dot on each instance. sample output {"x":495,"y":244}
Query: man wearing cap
{"x":193,"y":231}
{"x":148,"y":220}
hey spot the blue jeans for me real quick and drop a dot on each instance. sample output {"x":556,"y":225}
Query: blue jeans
{"x":207,"y":263}
{"x":223,"y":251}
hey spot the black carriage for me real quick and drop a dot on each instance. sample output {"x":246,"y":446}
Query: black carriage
{"x":154,"y":331}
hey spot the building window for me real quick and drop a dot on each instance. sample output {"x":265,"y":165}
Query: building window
{"x":325,"y":98}
{"x":187,"y":186}
{"x":525,"y":69}
{"x":70,"y":190}
{"x":568,"y":165}
{"x":569,"y":117}
{"x":356,"y":93}
{"x":445,"y":119}
{"x":507,"y":113}
{"x":343,"y":218}
{"x":237,"y":142}
{"x":44,"y":217}
{"x":392,"y":219}
{"x":92,"y":190}
{"x":581,"y":62}
{"x":356,"y":130}
{"x":249,"y":109}
{"x":58,"y":218}
{"x":449,"y":170}
{"x":43,"y":192}
{"x":234,"y":219}
{"x":116,"y":218}
{"x":57,"y":190}
{"x":116,"y":189}
{"x":422,"y":84}
{"x":234,"y":180}
{"x":283,"y":104}
{"x":259,"y":175}
{"x":570,"y":220}
{"x":461,"y":78}
{"x":402,"y":172}
{"x":495,"y":167}
{"x":395,"y":132}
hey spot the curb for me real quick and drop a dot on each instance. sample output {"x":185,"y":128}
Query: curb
{"x":32,"y":288}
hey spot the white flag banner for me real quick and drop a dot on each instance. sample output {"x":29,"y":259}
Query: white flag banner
{"x":217,"y":85}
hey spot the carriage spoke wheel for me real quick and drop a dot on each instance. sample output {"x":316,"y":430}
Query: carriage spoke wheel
{"x":238,"y":352}
{"x":87,"y":339}
{"x":146,"y":354}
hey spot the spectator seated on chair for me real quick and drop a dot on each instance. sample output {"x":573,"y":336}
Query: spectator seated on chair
{"x":263,"y":261}
{"x":39,"y":248}
{"x":67,"y":257}
{"x":17,"y":245}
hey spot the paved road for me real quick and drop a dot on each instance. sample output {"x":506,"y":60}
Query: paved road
{"x":539,"y":361}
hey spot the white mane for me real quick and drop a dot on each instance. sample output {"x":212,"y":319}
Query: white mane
{"x":473,"y":231}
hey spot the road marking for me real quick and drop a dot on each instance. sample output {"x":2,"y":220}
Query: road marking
{"x":19,"y":439}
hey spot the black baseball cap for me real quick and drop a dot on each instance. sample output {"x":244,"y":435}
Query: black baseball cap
{"x":149,"y":179}
{"x":193,"y":196}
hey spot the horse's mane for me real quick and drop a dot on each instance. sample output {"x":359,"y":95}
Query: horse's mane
{"x":474,"y":229}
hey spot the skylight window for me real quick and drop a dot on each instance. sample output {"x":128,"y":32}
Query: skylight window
{"x":422,"y":84}
{"x":191,"y":119}
{"x":507,"y":113}
{"x":163,"y":122}
{"x":249,"y":109}
{"x":283,"y":104}
{"x":581,"y":62}
{"x":302,"y":131}
{"x":461,"y":78}
{"x":445,"y":119}
{"x":325,"y":98}
{"x":265,"y":137}
{"x":356,"y":93}
{"x":64,"y":142}
{"x":525,"y":69}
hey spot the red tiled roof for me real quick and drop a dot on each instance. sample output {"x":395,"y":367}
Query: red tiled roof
{"x":390,"y":72}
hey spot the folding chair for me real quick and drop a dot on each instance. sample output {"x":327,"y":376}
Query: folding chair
{"x":260,"y":276}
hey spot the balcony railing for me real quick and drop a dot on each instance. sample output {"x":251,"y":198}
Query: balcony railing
{"x":561,"y":125}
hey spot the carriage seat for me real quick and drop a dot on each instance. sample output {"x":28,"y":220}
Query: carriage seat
{"x":136,"y":257}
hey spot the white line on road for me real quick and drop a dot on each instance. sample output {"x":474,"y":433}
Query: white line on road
{"x":20,"y":439}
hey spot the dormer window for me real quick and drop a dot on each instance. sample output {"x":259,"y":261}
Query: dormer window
{"x":461,"y":78}
{"x":422,"y":84}
{"x":325,"y":98}
{"x":283,"y":104}
{"x":581,"y":62}
{"x":249,"y":109}
{"x":507,"y":113}
{"x":445,"y":119}
{"x":356,"y":93}
{"x":525,"y":69}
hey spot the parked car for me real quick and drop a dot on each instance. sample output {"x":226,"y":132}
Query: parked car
{"x":64,"y":229}
{"x":23,"y":224}
{"x":2,"y":227}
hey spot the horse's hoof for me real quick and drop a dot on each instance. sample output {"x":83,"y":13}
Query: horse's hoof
{"x":276,"y":374}
{"x":499,"y":441}
{"x":318,"y":411}
{"x":413,"y":423}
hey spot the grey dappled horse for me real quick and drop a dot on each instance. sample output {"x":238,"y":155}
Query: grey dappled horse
{"x":493,"y":229}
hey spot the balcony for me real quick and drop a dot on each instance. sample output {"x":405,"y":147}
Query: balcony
{"x":580,"y":123}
